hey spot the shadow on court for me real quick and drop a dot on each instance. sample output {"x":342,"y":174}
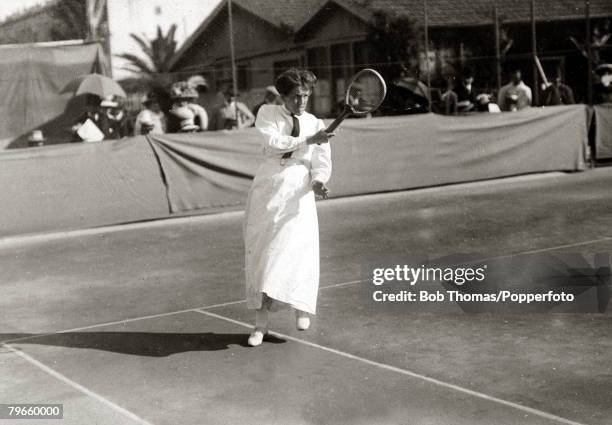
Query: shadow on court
{"x":149,"y":344}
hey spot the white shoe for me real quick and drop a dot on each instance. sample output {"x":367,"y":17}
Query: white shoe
{"x":302,"y":321}
{"x":256,"y":337}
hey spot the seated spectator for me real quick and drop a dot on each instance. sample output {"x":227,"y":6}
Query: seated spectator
{"x":466,"y":96}
{"x":272,"y":97}
{"x":558,"y":93}
{"x":515,"y":95}
{"x":185,"y":116}
{"x":602,"y":90}
{"x":232,"y":114}
{"x":151,"y":119}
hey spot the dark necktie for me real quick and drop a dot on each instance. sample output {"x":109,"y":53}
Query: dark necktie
{"x":295,"y":132}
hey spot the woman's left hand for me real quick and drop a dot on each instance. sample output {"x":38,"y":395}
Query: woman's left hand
{"x":320,"y":189}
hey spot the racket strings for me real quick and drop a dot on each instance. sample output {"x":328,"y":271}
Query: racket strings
{"x":366,"y":92}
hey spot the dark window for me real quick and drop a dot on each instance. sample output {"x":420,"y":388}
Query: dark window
{"x":282,"y":66}
{"x":242,"y":72}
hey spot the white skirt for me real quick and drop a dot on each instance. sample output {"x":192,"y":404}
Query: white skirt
{"x":281,"y":235}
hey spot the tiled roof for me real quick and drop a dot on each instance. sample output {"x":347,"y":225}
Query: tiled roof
{"x":282,"y":13}
{"x":478,"y":12}
{"x":294,"y":14}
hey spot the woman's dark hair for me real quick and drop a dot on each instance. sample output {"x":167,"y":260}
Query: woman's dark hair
{"x":293,"y":78}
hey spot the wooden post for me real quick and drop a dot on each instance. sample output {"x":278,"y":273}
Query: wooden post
{"x":534,"y":53}
{"x":232,"y":54}
{"x":497,"y":51}
{"x":589,"y":47}
{"x":427,"y":53}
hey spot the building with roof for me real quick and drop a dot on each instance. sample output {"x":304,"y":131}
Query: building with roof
{"x":329,"y":36}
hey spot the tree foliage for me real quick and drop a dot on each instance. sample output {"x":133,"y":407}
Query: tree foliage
{"x":79,"y":19}
{"x":156,"y":54}
{"x":71,"y":20}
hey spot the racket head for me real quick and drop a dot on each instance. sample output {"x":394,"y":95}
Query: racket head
{"x":366,"y":91}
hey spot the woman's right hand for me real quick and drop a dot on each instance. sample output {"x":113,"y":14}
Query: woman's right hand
{"x":320,"y":137}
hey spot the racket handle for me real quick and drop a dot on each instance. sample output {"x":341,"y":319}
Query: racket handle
{"x":337,"y":121}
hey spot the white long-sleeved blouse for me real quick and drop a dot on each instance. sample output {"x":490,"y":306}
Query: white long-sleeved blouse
{"x":275,"y":123}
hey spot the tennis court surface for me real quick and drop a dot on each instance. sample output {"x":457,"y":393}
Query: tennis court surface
{"x":146,"y":323}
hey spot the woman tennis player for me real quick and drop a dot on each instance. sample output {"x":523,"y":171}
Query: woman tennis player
{"x":281,"y":230}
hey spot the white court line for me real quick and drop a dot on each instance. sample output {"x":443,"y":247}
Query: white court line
{"x":114,"y":228}
{"x":152,"y":316}
{"x":552,"y":248}
{"x":405,"y":372}
{"x":118,"y":322}
{"x":340,"y":285}
{"x":536,"y":251}
{"x":77,"y":386}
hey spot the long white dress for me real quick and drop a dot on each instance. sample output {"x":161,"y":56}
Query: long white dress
{"x":281,"y":230}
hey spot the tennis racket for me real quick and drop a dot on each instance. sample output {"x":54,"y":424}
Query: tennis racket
{"x":365,"y":92}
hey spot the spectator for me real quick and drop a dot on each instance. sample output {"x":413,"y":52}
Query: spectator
{"x":272,"y":97}
{"x":185,"y":116}
{"x":449,"y":99}
{"x":484,"y":103}
{"x":515,"y":95}
{"x":205,"y":97}
{"x":151,"y":119}
{"x":92,"y":113}
{"x":112,"y":120}
{"x":107,"y":120}
{"x":558,"y":93}
{"x":466,"y":97}
{"x":232,"y":114}
{"x":603,"y":89}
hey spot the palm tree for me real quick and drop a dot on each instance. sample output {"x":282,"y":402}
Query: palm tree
{"x":157,"y":54}
{"x":152,"y":68}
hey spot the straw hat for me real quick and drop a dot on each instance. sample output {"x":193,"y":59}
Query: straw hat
{"x":182,"y":90}
{"x":604,"y":68}
{"x":36,"y":138}
{"x":108,"y":102}
{"x":197,"y":81}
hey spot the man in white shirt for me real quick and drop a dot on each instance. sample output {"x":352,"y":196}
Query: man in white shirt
{"x":515,"y":95}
